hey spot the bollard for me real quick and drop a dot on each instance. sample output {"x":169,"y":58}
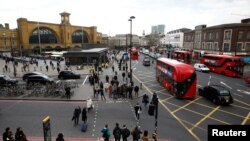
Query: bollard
{"x":34,"y":68}
{"x":141,"y":85}
{"x":40,"y":68}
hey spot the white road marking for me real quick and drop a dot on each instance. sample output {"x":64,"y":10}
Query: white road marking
{"x":223,"y":83}
{"x":244,"y":92}
{"x":85,"y":80}
{"x":238,"y":94}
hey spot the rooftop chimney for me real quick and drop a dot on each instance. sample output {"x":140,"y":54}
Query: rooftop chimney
{"x":7,"y":26}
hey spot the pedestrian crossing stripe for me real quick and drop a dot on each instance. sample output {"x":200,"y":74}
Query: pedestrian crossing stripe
{"x":117,"y":101}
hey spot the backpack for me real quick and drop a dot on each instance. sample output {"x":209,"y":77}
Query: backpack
{"x":126,"y":132}
{"x":117,"y":132}
{"x":105,"y":133}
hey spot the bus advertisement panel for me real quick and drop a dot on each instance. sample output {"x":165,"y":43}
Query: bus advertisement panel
{"x":183,"y":56}
{"x":177,"y":77}
{"x":224,"y":64}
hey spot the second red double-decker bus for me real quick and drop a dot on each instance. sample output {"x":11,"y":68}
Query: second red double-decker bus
{"x":224,"y":64}
{"x":134,"y":54}
{"x":183,"y":56}
{"x":179,"y":78}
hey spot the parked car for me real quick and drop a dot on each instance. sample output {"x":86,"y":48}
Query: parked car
{"x":26,"y":75}
{"x":41,"y":78}
{"x":201,"y":67}
{"x":5,"y":80}
{"x":68,"y":74}
{"x":217,"y":94}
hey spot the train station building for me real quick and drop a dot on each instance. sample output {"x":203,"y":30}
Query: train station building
{"x":36,"y":37}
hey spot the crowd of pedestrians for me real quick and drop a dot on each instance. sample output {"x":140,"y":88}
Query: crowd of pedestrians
{"x":123,"y":133}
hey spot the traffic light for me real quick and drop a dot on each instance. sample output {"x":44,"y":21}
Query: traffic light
{"x":151,"y":109}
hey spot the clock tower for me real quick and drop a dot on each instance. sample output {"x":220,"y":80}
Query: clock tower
{"x":65,"y":18}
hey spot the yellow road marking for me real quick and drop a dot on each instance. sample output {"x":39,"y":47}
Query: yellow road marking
{"x":241,"y":102}
{"x":161,"y":90}
{"x":246,"y":119}
{"x":186,"y":105}
{"x":204,"y":118}
{"x":148,"y":81}
{"x":241,"y":107}
{"x":187,"y":122}
{"x":163,"y":100}
{"x":178,"y":119}
{"x":199,"y":113}
{"x":221,"y":110}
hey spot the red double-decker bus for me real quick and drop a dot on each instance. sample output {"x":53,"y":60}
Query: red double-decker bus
{"x":177,"y":77}
{"x":183,"y":56}
{"x":224,"y":64}
{"x":134,"y":54}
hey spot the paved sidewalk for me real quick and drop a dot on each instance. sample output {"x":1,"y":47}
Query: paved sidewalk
{"x":81,"y":93}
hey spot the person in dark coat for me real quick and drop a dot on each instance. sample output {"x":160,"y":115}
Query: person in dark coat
{"x":117,"y":132}
{"x":67,"y":92}
{"x":7,"y":135}
{"x":137,"y":111}
{"x":136,"y":89}
{"x":107,"y":78}
{"x":145,"y":100}
{"x":136,"y":133}
{"x":76,"y":115}
{"x":84,"y":115}
{"x":19,"y":136}
{"x":60,"y":137}
{"x":125,"y":133}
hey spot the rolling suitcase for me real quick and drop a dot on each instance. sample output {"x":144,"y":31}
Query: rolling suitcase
{"x":84,"y":127}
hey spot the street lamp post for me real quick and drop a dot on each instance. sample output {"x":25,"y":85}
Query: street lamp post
{"x":131,"y":19}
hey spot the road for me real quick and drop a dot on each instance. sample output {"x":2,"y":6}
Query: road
{"x":195,"y":115}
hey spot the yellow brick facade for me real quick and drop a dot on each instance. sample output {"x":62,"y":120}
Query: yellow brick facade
{"x":18,"y":39}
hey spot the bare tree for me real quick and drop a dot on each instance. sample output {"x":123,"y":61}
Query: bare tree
{"x":153,"y":39}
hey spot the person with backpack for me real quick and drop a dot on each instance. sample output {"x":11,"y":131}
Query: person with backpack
{"x":117,"y":132}
{"x":105,"y":133}
{"x":125,"y":133}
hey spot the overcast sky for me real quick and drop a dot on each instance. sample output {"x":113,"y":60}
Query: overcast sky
{"x":111,"y":16}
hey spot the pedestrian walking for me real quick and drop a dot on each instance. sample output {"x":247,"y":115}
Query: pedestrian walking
{"x":145,"y":136}
{"x":125,"y":133}
{"x":105,"y":133}
{"x":107,"y":79}
{"x":84,"y":115}
{"x":60,"y":137}
{"x":136,"y":89}
{"x":102,"y":94}
{"x":123,"y":75}
{"x":76,"y":115}
{"x":47,"y":68}
{"x":117,"y":132}
{"x":58,"y":69}
{"x":113,"y":68}
{"x":137,"y":109}
{"x":145,"y":100}
{"x":67,"y":92}
{"x":136,"y":133}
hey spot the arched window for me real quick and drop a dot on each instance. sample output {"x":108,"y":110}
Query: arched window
{"x":43,"y":34}
{"x":79,"y":37}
